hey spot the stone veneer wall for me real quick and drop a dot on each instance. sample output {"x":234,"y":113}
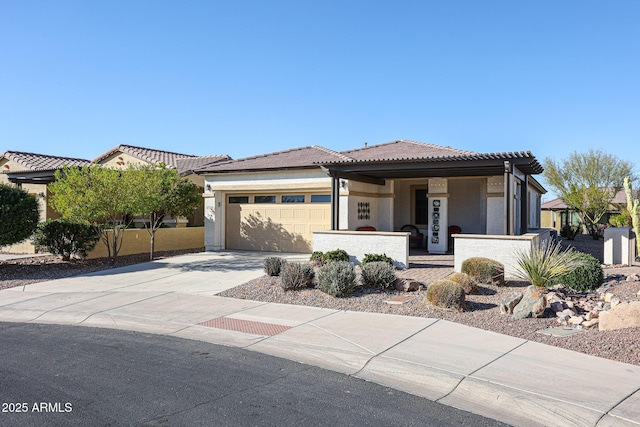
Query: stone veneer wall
{"x":359,"y":243}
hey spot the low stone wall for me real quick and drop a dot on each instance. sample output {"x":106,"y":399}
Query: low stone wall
{"x":137,"y":241}
{"x":498,"y":248}
{"x":358,"y":243}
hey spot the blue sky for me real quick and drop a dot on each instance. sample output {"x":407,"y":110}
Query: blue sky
{"x":250,"y":77}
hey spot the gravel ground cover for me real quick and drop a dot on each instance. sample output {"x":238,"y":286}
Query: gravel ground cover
{"x":482,"y":309}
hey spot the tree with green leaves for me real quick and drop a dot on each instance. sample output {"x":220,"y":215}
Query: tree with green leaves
{"x":19,"y":215}
{"x":633,"y":207}
{"x":101,"y":196}
{"x":588,"y":182}
{"x":161,"y":192}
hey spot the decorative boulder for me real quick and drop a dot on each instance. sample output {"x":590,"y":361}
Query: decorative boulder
{"x":509,"y":302}
{"x":532,"y":304}
{"x":623,"y":315}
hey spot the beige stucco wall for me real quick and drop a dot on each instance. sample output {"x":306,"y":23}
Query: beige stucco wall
{"x":468,"y":204}
{"x":137,"y":241}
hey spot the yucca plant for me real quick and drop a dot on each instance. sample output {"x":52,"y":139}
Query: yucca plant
{"x":546,"y":262}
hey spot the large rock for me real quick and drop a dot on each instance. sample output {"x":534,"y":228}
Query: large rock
{"x":508,"y":303}
{"x":532,"y":304}
{"x":623,"y":315}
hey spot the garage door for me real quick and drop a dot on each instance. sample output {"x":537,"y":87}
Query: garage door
{"x":281,"y":227}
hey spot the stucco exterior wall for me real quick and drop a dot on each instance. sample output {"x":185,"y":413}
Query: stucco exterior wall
{"x":137,"y":241}
{"x":359,"y":243}
{"x":468,"y":204}
{"x":499,"y":248}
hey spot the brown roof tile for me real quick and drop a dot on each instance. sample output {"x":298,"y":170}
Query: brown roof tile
{"x":403,"y":149}
{"x":146,"y":154}
{"x":190,"y":164}
{"x":41,"y":162}
{"x":303,"y":157}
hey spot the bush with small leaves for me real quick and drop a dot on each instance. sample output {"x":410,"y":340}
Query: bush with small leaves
{"x":463,"y":279}
{"x":333,"y":256}
{"x":375,"y":258}
{"x":587,"y":277}
{"x":446,"y":294}
{"x":484,"y":270}
{"x":66,"y":238}
{"x":19,"y":215}
{"x":337,"y":278}
{"x":378,"y":274}
{"x":316,"y":258}
{"x":273,"y":265}
{"x":296,"y":275}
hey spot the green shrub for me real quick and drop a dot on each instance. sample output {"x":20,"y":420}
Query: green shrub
{"x":569,"y":232}
{"x":273,"y":265}
{"x":586,"y":277}
{"x":463,"y":279}
{"x":376,"y":258}
{"x":296,"y":275}
{"x":378,"y":274}
{"x":333,"y":256}
{"x":545,"y":262}
{"x":316,"y":258}
{"x":446,"y":294}
{"x":621,"y":220}
{"x":66,"y":238}
{"x":19,"y":215}
{"x":484,"y":270}
{"x":337,"y":278}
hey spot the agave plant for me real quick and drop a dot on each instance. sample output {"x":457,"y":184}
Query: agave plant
{"x":546,"y":262}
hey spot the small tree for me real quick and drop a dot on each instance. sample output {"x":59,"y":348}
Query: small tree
{"x":101,"y":196}
{"x":633,"y":207}
{"x":161,"y":192}
{"x":588,"y":182}
{"x":19,"y":215}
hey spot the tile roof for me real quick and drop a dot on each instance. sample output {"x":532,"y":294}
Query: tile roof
{"x":145,"y":154}
{"x":184,"y":163}
{"x":403,"y":149}
{"x":619,"y":199}
{"x":190,"y":164}
{"x":40,"y":162}
{"x":303,"y":157}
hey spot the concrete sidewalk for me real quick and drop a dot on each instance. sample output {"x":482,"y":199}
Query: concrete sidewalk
{"x":513,"y":380}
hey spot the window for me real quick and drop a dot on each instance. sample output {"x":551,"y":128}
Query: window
{"x":238,"y":199}
{"x":421,"y":207}
{"x":298,"y":198}
{"x":321,"y":198}
{"x":264,"y":199}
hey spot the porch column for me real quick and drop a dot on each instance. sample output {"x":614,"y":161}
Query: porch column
{"x":509,"y":226}
{"x":335,"y":202}
{"x":524,"y":205}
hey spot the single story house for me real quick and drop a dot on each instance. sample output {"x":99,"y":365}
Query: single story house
{"x":277,"y":201}
{"x":556,"y":213}
{"x":34,"y":172}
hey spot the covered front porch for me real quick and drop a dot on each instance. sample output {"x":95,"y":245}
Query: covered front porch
{"x":442,"y":199}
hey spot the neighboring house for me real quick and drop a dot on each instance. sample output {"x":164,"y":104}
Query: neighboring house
{"x":33,"y":172}
{"x":556,"y":213}
{"x":123,"y":156}
{"x":276,"y":201}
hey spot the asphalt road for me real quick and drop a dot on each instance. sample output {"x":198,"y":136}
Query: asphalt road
{"x":54,"y":375}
